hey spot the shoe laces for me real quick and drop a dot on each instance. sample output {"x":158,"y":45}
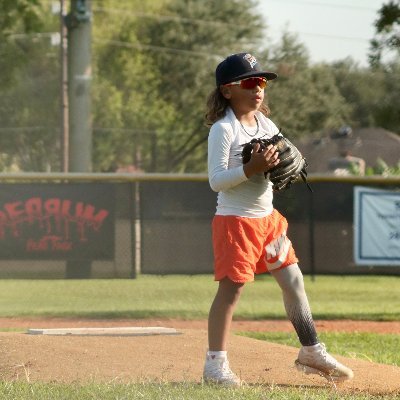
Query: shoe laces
{"x":222,"y":369}
{"x":326,"y":356}
{"x":226,"y":368}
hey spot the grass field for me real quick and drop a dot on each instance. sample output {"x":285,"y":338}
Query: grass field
{"x":378,"y":348}
{"x":189,"y":297}
{"x":363,"y":298}
{"x":168,"y":391}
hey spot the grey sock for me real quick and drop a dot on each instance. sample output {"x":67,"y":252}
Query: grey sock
{"x":290,"y":279}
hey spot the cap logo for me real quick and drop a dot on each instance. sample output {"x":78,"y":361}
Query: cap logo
{"x":250,"y":59}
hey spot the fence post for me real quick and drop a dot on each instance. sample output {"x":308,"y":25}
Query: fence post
{"x":311,"y":227}
{"x":136,"y":233}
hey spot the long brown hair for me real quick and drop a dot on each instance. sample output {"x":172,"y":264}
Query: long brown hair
{"x":217,"y":105}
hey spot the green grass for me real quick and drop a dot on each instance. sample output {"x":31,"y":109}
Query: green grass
{"x":189,"y":297}
{"x":167,"y":391}
{"x":378,"y":348}
{"x":362,"y":298}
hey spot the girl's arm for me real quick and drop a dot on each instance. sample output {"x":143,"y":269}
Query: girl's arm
{"x":220,"y":177}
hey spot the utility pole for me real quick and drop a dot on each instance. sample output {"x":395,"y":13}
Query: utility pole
{"x":64,"y":140}
{"x":78,"y":23}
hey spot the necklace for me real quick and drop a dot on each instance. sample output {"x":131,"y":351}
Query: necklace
{"x":255,"y":133}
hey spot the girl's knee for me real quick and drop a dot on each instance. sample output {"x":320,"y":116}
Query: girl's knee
{"x":290,"y":279}
{"x":230,"y":290}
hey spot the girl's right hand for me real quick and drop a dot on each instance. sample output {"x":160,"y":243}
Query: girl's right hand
{"x":261,"y":161}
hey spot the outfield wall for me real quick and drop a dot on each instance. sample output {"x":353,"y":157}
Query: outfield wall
{"x":118,"y":225}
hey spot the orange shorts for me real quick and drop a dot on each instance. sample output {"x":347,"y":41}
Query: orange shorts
{"x":247,"y":246}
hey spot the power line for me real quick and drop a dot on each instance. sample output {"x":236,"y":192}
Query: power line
{"x":118,"y":129}
{"x":192,"y":20}
{"x":357,"y":39}
{"x":141,"y":46}
{"x":208,"y":22}
{"x":31,"y":35}
{"x":23,"y":128}
{"x":161,"y":17}
{"x":331,"y":5}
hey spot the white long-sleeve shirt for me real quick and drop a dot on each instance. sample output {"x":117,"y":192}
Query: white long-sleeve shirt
{"x":237,"y":195}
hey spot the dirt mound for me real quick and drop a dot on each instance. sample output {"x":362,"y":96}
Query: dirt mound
{"x":172,"y":358}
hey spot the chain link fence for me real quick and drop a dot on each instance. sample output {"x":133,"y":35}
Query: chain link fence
{"x":56,"y":226}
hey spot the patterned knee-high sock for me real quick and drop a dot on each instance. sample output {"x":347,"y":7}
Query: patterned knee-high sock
{"x":290,"y":279}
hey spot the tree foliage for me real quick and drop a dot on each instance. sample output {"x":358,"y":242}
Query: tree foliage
{"x":18,"y":19}
{"x":362,"y":88}
{"x":305,"y":98}
{"x":382,"y":168}
{"x":153,"y":67}
{"x":163,"y":65}
{"x":387,"y":28}
{"x":29,"y":110}
{"x":128,"y":111}
{"x":387,"y":112}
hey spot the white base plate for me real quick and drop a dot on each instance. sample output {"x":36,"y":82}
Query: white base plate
{"x":123,"y":331}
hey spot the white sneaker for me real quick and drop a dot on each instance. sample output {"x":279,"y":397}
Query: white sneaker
{"x":316,"y":360}
{"x":217,"y":370}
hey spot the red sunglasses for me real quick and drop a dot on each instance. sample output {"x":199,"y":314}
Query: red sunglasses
{"x":250,"y":83}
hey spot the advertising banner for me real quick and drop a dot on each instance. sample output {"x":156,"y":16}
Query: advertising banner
{"x":57,"y":221}
{"x":376,"y":227}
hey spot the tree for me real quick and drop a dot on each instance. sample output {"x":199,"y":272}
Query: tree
{"x":304,"y":99}
{"x":196,"y":36}
{"x":29,"y":107}
{"x":386,"y":112}
{"x":372,"y":93}
{"x":152,"y":72}
{"x":387,"y":36}
{"x":18,"y":18}
{"x":362,"y":88}
{"x":128,"y":112}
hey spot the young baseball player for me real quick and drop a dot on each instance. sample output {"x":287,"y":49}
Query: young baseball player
{"x":249,"y":235}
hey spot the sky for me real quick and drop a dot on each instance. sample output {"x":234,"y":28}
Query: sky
{"x":331,"y":30}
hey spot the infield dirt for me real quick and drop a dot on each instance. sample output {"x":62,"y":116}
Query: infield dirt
{"x":174,"y":358}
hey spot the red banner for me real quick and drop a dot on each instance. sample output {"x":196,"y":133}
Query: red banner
{"x":57,"y":221}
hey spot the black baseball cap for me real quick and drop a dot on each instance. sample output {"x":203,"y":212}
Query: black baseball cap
{"x":240,"y":66}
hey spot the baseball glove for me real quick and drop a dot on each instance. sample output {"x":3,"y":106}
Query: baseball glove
{"x":292,"y":164}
